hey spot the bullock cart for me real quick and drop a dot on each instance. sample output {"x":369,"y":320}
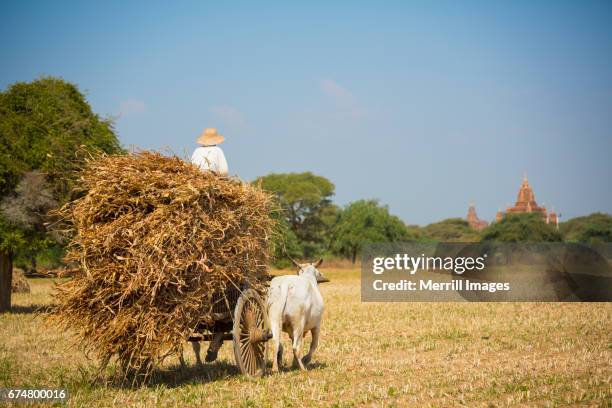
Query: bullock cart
{"x":240,"y":315}
{"x":161,"y":249}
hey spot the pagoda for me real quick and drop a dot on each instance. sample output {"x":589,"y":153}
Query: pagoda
{"x":526,"y":203}
{"x":473,"y":219}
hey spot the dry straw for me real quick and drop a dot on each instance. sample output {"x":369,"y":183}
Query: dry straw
{"x":19,"y":283}
{"x":154,"y":239}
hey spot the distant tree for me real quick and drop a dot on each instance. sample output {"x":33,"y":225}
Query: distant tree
{"x":315,"y":233}
{"x":451,"y":230}
{"x":417,"y":233}
{"x":306,"y":202}
{"x":285,"y":245}
{"x":365,"y":221}
{"x":45,"y":125}
{"x":26,"y":210}
{"x":521,"y":228}
{"x":593,"y":228}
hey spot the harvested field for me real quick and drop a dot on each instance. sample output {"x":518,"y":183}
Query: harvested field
{"x":417,"y":354}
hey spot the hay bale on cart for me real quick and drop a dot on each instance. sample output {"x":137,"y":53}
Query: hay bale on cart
{"x":156,"y":245}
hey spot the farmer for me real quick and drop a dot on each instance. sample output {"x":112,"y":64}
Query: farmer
{"x":209,"y":156}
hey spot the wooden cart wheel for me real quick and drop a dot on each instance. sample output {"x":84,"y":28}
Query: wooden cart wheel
{"x":251,"y":333}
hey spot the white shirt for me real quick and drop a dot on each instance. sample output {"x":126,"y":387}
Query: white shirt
{"x":210,"y":158}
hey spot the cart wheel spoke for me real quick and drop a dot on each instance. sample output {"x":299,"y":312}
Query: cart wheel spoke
{"x":253,"y":362}
{"x":258,"y":352}
{"x":247,"y":359}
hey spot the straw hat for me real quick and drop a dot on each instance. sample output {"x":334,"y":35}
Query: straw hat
{"x":210,"y":137}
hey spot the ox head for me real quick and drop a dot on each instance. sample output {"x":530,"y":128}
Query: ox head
{"x":311,"y":268}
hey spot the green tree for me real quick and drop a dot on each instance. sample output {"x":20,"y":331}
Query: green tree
{"x":307,"y":208}
{"x":285,"y":244}
{"x":521,"y":228}
{"x":593,"y":228}
{"x":417,"y":233}
{"x":365,"y":221}
{"x":451,"y":230}
{"x":46,"y":126}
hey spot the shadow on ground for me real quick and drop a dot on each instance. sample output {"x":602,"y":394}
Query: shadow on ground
{"x":175,"y":376}
{"x":31,"y":309}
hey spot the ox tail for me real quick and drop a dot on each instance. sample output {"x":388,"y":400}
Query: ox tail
{"x":278,"y":300}
{"x":284,"y":295}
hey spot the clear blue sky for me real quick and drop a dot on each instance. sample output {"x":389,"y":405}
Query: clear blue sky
{"x":423,"y":105}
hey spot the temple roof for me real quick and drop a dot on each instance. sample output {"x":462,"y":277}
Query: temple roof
{"x":525,"y":200}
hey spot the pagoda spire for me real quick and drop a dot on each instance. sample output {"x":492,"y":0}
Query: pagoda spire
{"x":526,"y":203}
{"x":472,"y":218}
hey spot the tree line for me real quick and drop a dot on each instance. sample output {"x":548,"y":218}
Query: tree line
{"x":311,"y":225}
{"x":47,"y":130}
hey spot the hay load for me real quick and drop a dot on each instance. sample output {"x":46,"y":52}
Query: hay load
{"x":154,"y":239}
{"x":20,"y":283}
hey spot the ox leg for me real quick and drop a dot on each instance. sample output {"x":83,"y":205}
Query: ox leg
{"x":313,"y":344}
{"x":279,"y":355}
{"x":298,"y":339}
{"x":275,"y":354}
{"x":277,"y":348}
{"x":182,"y":361}
{"x":213,"y":348}
{"x":196,"y":351}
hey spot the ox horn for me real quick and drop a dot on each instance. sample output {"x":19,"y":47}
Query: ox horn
{"x":296,"y":263}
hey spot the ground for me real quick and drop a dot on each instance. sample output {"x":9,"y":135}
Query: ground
{"x":371,"y":354}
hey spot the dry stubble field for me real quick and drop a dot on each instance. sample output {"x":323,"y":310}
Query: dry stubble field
{"x":377,"y":354}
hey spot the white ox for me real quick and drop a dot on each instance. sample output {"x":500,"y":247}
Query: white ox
{"x":295,"y":306}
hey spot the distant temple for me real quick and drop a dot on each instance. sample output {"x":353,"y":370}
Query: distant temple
{"x":473,"y":219}
{"x":526,"y":203}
